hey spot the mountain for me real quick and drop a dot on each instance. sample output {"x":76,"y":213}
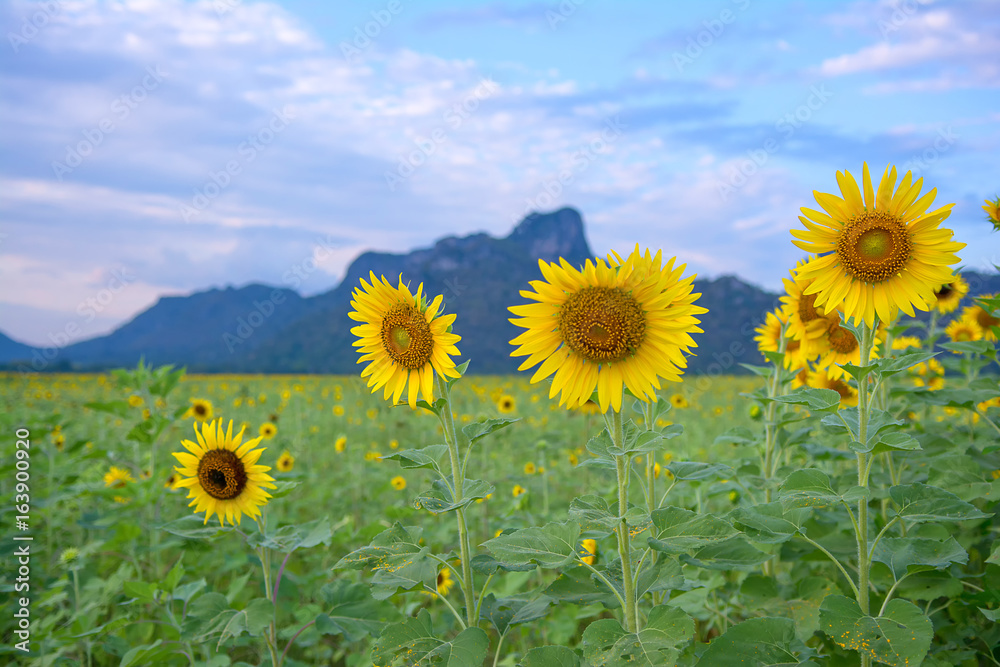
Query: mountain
{"x":259,"y":328}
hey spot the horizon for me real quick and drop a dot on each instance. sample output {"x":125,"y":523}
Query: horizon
{"x":167,"y":147}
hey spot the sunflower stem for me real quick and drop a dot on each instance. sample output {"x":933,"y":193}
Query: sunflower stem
{"x":866,"y":342}
{"x":458,"y":481}
{"x":622,"y":468}
{"x":648,"y":412}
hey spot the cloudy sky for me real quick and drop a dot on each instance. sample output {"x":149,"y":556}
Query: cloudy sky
{"x":154,"y":147}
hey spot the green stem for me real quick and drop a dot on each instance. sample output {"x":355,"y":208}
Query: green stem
{"x":265,"y":559}
{"x":864,"y":467}
{"x":836,"y":562}
{"x":600,"y":575}
{"x":622,"y":468}
{"x":458,"y":482}
{"x":648,"y":412}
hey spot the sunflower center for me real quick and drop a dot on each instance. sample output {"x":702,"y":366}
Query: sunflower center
{"x":985,"y":320}
{"x":944,"y":292}
{"x":874,"y":246}
{"x":602,"y":324}
{"x":841,"y":388}
{"x":199,"y":409}
{"x":406,"y":336}
{"x":807,"y":308}
{"x":222,"y":474}
{"x":841,"y":340}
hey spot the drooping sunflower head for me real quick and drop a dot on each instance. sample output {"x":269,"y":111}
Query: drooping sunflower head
{"x":285,"y":462}
{"x":201,"y":410}
{"x":878,"y":253}
{"x":949,"y":295}
{"x":506,"y":404}
{"x":404,"y":339}
{"x":221,"y":473}
{"x":612,"y":324}
{"x":983,"y":318}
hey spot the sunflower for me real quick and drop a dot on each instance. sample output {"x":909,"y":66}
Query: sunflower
{"x":398,"y":482}
{"x":221,"y":473}
{"x":171,"y":483}
{"x":59,"y":440}
{"x":340,"y":444}
{"x":824,"y":379}
{"x":506,"y":404}
{"x":285,"y":462}
{"x":529,"y":468}
{"x":268,"y":430}
{"x":613,"y":323}
{"x":805,"y":318}
{"x":906,"y":342}
{"x":982,"y":318}
{"x":117,"y":478}
{"x":588,"y":551}
{"x":964,"y":330}
{"x":405,"y":340}
{"x":882,"y":253}
{"x":518,"y":490}
{"x":678,"y":401}
{"x":769,"y":339}
{"x":949,"y":295}
{"x":200,"y":409}
{"x":992,"y":209}
{"x":444,"y":581}
{"x":840,"y":347}
{"x":135,"y":400}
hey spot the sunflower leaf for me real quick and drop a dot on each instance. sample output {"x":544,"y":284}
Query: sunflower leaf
{"x":679,"y":530}
{"x":117,"y":408}
{"x":425,"y":457}
{"x":441,"y":498}
{"x":553,"y":545}
{"x":289,"y":538}
{"x":732,"y":554}
{"x":606,"y":642}
{"x":906,"y":555}
{"x":893,"y":365}
{"x":899,"y":638}
{"x":765,"y":642}
{"x":193,"y":527}
{"x":419,"y":641}
{"x":436,"y":407}
{"x":550,"y":656}
{"x":352,"y":611}
{"x":921,"y":502}
{"x":817,"y":400}
{"x":968,"y":346}
{"x":478,"y":430}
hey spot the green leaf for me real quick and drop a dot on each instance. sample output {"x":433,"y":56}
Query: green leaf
{"x":892,"y":365}
{"x":506,"y":612}
{"x":968,"y":347}
{"x":921,"y":502}
{"x":149,"y":654}
{"x":436,"y":407}
{"x":174,"y":576}
{"x":487,"y":565}
{"x":740,"y":435}
{"x":289,"y":538}
{"x":767,"y":523}
{"x":550,"y":656}
{"x":580,"y":586}
{"x":352,"y":611}
{"x":605,"y":642}
{"x":900,"y":638}
{"x":397,"y":561}
{"x":593,"y":512}
{"x":479,"y":430}
{"x":812,"y":488}
{"x":252,"y":619}
{"x":884,"y":442}
{"x":441,"y":499}
{"x":415,"y":637}
{"x":185,"y":592}
{"x":142,"y":590}
{"x":694,"y":471}
{"x":761,"y":642}
{"x":817,"y":400}
{"x":283,"y":488}
{"x":194,"y":527}
{"x":553,"y":545}
{"x":680,"y":530}
{"x":734,"y":553}
{"x":117,"y":408}
{"x":425,"y":457}
{"x":663,"y":575}
{"x":919,"y":553}
{"x":208,"y":606}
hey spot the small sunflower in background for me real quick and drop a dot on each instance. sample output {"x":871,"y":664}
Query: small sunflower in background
{"x":805,"y":318}
{"x":839,"y":346}
{"x":398,"y":482}
{"x":879,"y":251}
{"x":285,"y":462}
{"x":678,"y":401}
{"x":906,"y":342}
{"x":221,"y":473}
{"x":506,"y":404}
{"x":518,"y":490}
{"x":171,"y":483}
{"x":268,"y":430}
{"x":529,"y":468}
{"x":981,"y":317}
{"x":963,"y":331}
{"x":949,"y":295}
{"x":135,"y":401}
{"x":444,"y":581}
{"x":117,"y":478}
{"x":588,"y":551}
{"x":201,"y":410}
{"x":340,"y":444}
{"x":404,"y":339}
{"x":992,"y":209}
{"x":59,"y":440}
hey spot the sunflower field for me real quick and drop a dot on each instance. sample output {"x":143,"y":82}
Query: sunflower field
{"x":837,"y":505}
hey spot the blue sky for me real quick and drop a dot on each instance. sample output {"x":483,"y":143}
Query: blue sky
{"x":155,"y":147}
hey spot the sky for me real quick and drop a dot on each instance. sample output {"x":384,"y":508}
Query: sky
{"x":164,"y":147}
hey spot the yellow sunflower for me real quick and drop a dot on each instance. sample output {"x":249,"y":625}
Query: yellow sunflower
{"x":878,"y":254}
{"x":135,"y":400}
{"x":518,"y":490}
{"x":200,"y":409}
{"x":398,"y":482}
{"x":529,"y":468}
{"x":981,"y":317}
{"x":963,"y":330}
{"x":621,"y":322}
{"x":285,"y":462}
{"x":824,"y":379}
{"x":839,"y":346}
{"x":405,"y":340}
{"x":340,"y":444}
{"x":906,"y":342}
{"x":992,"y":209}
{"x":949,"y":295}
{"x":506,"y":404}
{"x":678,"y":401}
{"x":268,"y":430}
{"x":588,"y":551}
{"x":117,"y":478}
{"x":444,"y":581}
{"x":221,"y":473}
{"x":769,"y":338}
{"x":805,"y":318}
